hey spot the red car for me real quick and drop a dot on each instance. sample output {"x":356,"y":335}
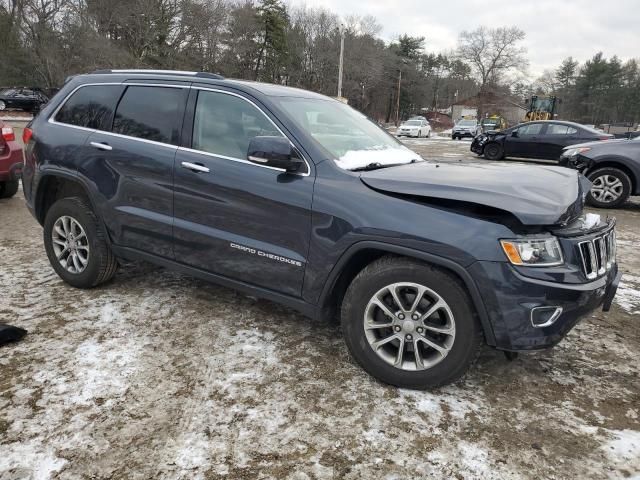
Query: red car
{"x":10,"y":161}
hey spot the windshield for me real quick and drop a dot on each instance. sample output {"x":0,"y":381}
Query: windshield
{"x":467,"y":123}
{"x":490,"y":122}
{"x":7,"y":91}
{"x":413,"y":123}
{"x":351,"y":139}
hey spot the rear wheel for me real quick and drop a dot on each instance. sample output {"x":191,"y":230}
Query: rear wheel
{"x":611,"y":187}
{"x":409,"y":324}
{"x":76,"y":245}
{"x":493,"y":151}
{"x":9,"y":189}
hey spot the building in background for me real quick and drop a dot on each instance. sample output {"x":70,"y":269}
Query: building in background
{"x":493,"y":104}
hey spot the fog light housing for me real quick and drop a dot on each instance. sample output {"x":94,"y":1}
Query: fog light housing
{"x":545,"y":316}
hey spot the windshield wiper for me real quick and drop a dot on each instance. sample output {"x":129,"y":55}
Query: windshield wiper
{"x":378,"y":165}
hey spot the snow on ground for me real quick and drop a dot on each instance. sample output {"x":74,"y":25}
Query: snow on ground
{"x":628,"y":296}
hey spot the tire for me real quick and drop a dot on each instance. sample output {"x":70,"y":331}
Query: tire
{"x":101,"y":264}
{"x":493,"y":151}
{"x":9,"y":188}
{"x":357,"y":308}
{"x":3,"y":105}
{"x":611,"y":188}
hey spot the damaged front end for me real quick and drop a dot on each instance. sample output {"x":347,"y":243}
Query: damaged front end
{"x":555,"y":264}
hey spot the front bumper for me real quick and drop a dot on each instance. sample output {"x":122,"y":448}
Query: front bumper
{"x":510,"y":298}
{"x":462,"y":134}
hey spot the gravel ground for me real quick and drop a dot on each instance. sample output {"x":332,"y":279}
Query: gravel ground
{"x":158,"y":375}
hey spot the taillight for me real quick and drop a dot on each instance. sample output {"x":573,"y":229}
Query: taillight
{"x":7,"y":134}
{"x":604,"y":138}
{"x":26,"y":135}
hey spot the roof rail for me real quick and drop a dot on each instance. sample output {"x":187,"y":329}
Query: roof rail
{"x":213,"y":76}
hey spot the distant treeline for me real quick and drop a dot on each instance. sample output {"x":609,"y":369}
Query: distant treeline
{"x":44,"y":41}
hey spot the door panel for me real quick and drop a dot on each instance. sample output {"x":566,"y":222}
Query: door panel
{"x":242,"y":221}
{"x":132,"y":169}
{"x":555,"y":138}
{"x":232,"y":217}
{"x":135,"y":188}
{"x":526,"y":144}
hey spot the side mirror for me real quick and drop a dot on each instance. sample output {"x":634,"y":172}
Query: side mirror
{"x":274,"y":152}
{"x":514,"y":133}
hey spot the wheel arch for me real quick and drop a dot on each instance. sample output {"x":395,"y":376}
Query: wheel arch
{"x":621,"y":164}
{"x":363,"y":253}
{"x":53,"y":186}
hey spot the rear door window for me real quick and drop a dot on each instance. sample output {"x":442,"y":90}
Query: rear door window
{"x":556,"y":129}
{"x":91,"y":107}
{"x":531,"y":129}
{"x":151,"y":113}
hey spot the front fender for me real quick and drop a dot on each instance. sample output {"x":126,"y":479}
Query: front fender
{"x":445,"y":263}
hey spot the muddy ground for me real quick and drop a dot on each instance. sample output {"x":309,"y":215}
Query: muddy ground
{"x":158,"y":375}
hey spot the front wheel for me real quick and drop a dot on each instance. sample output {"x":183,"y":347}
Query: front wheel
{"x":409,"y":324}
{"x":611,"y":188}
{"x":493,"y":151}
{"x":76,"y":244}
{"x":2,"y":105}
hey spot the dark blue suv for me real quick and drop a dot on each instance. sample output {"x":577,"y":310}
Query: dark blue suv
{"x":296,"y":197}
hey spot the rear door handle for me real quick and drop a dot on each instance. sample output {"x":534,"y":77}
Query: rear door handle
{"x":101,"y":146}
{"x":195,"y":167}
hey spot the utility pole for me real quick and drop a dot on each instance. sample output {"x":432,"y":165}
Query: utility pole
{"x":341,"y":61}
{"x":398,"y":99}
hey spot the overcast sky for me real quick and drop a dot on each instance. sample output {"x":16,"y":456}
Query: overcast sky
{"x":555,"y":29}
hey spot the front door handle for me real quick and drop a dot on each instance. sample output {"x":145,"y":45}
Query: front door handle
{"x":196,"y":167}
{"x":101,"y":146}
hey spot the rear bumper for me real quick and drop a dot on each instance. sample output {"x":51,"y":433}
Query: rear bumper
{"x":513,"y":303}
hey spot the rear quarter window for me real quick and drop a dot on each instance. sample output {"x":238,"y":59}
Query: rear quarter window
{"x":91,"y":107}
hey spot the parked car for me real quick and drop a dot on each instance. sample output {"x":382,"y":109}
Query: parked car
{"x":613,"y":167}
{"x":494,"y":123}
{"x":26,"y":99}
{"x":414,"y":128}
{"x":465,"y":128}
{"x":10,"y":161}
{"x":233,"y":182}
{"x":543,"y":139}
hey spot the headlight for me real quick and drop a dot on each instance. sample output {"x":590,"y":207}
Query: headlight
{"x":533,"y":252}
{"x":572,"y":152}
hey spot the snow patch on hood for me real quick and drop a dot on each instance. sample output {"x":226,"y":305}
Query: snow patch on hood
{"x":382,"y":155}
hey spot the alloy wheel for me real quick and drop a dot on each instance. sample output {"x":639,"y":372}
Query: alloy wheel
{"x":70,"y":244}
{"x":606,"y":188}
{"x":409,"y":326}
{"x":2,"y":105}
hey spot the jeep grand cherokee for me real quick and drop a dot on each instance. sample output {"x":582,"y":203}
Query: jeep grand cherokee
{"x":243,"y":184}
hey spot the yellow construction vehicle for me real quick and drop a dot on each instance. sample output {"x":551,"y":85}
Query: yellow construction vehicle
{"x":541,"y":108}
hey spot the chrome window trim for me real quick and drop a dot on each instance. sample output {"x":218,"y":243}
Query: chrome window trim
{"x":52,"y":121}
{"x":217,"y":90}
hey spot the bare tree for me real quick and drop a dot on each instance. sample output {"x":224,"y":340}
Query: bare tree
{"x":492,"y":53}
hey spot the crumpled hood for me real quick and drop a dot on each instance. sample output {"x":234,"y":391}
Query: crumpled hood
{"x":535,"y":195}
